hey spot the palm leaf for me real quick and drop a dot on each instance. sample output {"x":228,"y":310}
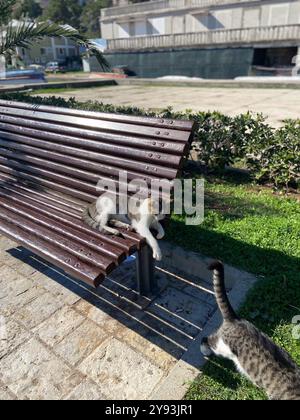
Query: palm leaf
{"x":26,"y":33}
{"x":6,"y":7}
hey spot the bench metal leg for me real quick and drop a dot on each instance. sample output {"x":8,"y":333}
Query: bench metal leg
{"x":146,"y":281}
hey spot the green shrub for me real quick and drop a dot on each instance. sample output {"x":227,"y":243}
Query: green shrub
{"x":271,"y":155}
{"x":278,"y":159}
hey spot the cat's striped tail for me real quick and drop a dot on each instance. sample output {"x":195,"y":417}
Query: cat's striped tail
{"x":86,"y":217}
{"x":220,"y":291}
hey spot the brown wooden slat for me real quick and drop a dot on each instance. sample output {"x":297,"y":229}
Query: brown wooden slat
{"x":116,"y":247}
{"x":57,"y":224}
{"x":154,"y":122}
{"x":43,"y":197}
{"x":75,"y":135}
{"x":102,"y":158}
{"x":62,"y":259}
{"x":38,"y":182}
{"x":54,"y":169}
{"x":129,"y":243}
{"x":73,"y":247}
{"x":101,"y":126}
{"x":159,"y":156}
{"x":84,"y":164}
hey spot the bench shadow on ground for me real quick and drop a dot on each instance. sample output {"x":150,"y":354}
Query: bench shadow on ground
{"x":178,"y":314}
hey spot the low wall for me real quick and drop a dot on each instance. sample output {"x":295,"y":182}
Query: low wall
{"x":209,"y":63}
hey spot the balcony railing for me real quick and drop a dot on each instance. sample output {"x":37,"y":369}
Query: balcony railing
{"x":159,"y":5}
{"x":216,"y":37}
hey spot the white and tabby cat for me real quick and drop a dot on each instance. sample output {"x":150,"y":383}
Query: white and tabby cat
{"x":254,"y":354}
{"x":141,"y":217}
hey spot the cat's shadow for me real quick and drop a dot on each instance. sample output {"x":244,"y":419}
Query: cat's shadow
{"x":223,"y":372}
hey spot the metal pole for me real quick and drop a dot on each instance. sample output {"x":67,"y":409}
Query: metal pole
{"x":146,"y":281}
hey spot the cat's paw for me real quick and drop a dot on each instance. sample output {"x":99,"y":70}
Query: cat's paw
{"x":157,"y":255}
{"x":160,"y":235}
{"x":115,"y":232}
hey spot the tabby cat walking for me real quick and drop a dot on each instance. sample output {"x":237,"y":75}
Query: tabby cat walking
{"x":254,"y":354}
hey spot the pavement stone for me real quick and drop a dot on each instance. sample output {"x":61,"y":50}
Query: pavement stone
{"x":38,"y":310}
{"x":122,"y":372}
{"x":81,"y":342}
{"x":86,"y":391}
{"x":14,"y":335}
{"x":55,"y":328}
{"x":32,"y":372}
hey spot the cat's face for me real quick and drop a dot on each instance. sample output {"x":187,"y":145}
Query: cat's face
{"x":217,"y":344}
{"x":208,"y":345}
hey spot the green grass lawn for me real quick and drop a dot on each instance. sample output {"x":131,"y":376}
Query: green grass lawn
{"x":251,"y":228}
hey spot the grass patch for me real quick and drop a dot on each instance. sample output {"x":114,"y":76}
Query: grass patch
{"x":54,"y":90}
{"x":255,"y":230}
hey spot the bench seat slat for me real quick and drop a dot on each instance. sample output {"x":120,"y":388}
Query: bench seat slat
{"x":57,"y":224}
{"x":154,"y":122}
{"x":64,"y":260}
{"x":31,"y":223}
{"x":129,"y":243}
{"x":105,"y":126}
{"x":108,"y":245}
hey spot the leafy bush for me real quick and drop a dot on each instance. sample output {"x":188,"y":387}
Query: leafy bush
{"x":278,"y":158}
{"x":271,"y":155}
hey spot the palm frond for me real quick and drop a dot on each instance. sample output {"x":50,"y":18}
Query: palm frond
{"x":26,"y":33}
{"x":6,"y":10}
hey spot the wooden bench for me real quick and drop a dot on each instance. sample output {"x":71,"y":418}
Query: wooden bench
{"x":50,"y":162}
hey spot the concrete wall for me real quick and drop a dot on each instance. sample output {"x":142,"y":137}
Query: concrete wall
{"x":214,"y":63}
{"x":239,"y":15}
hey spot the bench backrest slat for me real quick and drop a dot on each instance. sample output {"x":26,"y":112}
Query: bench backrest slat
{"x":154,"y":122}
{"x":70,"y":150}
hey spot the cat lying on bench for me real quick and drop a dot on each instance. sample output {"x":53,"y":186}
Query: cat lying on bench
{"x":142,"y":216}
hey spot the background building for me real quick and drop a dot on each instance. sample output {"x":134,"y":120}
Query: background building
{"x":50,"y":49}
{"x":204,"y":38}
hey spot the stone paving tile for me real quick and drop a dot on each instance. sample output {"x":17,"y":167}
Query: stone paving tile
{"x":13,"y":336}
{"x":104,"y":315}
{"x":7,"y":273}
{"x":157,"y":355}
{"x":59,"y":284}
{"x":81,"y":342}
{"x":32,"y":372}
{"x":182,"y":310}
{"x":38,"y":310}
{"x":17,"y":292}
{"x":5,"y":395}
{"x":121,"y":372}
{"x":86,"y":391}
{"x":58,"y":326}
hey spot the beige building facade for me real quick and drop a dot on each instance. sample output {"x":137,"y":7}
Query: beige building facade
{"x":234,"y":19}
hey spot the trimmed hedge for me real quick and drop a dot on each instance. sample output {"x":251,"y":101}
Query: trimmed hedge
{"x":271,"y":155}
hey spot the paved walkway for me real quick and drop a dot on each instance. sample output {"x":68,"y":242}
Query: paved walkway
{"x":62,"y":340}
{"x":276,"y":104}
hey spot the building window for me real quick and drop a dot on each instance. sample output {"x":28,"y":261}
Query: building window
{"x":61,"y":52}
{"x":43,"y":51}
{"x":23,"y":51}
